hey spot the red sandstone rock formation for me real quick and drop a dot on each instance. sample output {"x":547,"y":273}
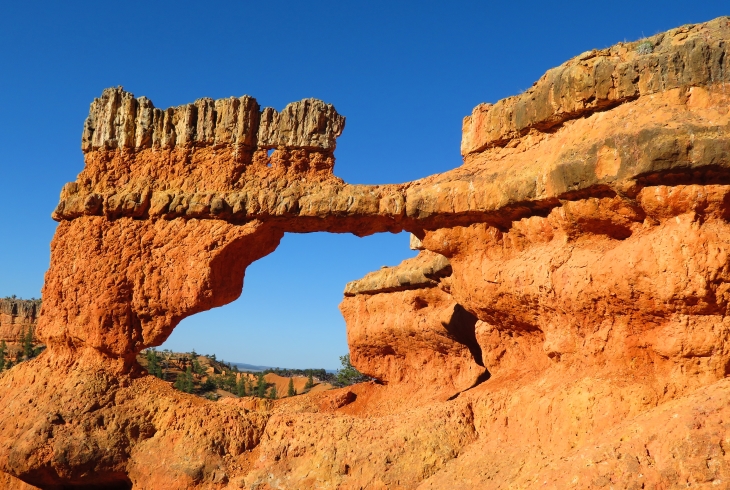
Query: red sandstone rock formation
{"x":587,"y":238}
{"x":404,"y":328}
{"x":17,"y":316}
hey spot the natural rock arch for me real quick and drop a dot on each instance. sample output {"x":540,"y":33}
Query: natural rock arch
{"x":587,"y":234}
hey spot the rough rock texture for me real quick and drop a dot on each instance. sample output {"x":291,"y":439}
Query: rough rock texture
{"x":123,"y":290}
{"x":425,"y":271}
{"x":404,"y":328}
{"x":7,"y":481}
{"x":118,"y":120}
{"x":86,"y":419}
{"x":17,"y":316}
{"x":587,"y":233}
{"x":600,"y":79}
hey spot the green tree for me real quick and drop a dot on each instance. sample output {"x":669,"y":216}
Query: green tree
{"x":29,"y":351}
{"x":241,"y":386}
{"x":3,"y":350}
{"x":348,"y":375}
{"x":21,"y":340}
{"x":184,"y":381}
{"x":230,"y":382}
{"x":209,"y":384}
{"x":153,"y":363}
{"x":291,"y":391}
{"x":179,"y":382}
{"x":197,"y":367}
{"x":272,"y":393}
{"x":164,"y":362}
{"x":261,"y":386}
{"x":310,"y":382}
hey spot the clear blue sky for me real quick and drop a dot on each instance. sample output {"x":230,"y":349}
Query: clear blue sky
{"x":403,"y":73}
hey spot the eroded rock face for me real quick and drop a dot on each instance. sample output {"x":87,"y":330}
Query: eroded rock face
{"x":118,"y":120}
{"x":402,"y":319}
{"x":601,"y":79}
{"x":17,"y":316}
{"x":594,"y":257}
{"x":129,"y":291}
{"x":587,"y":242}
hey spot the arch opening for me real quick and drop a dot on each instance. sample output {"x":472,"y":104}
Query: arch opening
{"x":286,"y":315}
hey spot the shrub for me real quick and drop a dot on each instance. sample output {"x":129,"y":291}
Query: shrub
{"x":184,"y":381}
{"x":197,"y":367}
{"x":26,"y":339}
{"x":645,"y":47}
{"x":153,"y":363}
{"x":209,"y":384}
{"x":241,"y":386}
{"x":348,"y":375}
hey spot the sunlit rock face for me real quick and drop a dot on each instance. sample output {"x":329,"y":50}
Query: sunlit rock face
{"x":405,"y":330}
{"x":17,"y":316}
{"x":565,"y":323}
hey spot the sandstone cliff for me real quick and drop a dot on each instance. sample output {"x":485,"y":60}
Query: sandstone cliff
{"x":580,"y":327}
{"x":17,"y":316}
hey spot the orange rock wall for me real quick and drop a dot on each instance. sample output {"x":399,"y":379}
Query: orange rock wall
{"x":117,"y":286}
{"x":577,"y":338}
{"x":634,"y":283}
{"x":16,"y":317}
{"x":418,"y":338}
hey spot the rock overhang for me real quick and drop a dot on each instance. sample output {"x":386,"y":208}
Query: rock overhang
{"x":599,"y":124}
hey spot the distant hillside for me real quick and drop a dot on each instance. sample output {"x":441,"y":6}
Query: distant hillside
{"x":249,"y":367}
{"x":210,"y":378}
{"x":252,"y":368}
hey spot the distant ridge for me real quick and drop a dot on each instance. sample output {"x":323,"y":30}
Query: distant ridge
{"x":250,"y":367}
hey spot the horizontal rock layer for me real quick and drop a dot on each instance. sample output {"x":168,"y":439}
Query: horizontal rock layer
{"x":401,"y":319}
{"x":423,"y":271}
{"x":694,"y":55}
{"x":636,"y":144}
{"x":119,"y":120}
{"x":25,"y":310}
